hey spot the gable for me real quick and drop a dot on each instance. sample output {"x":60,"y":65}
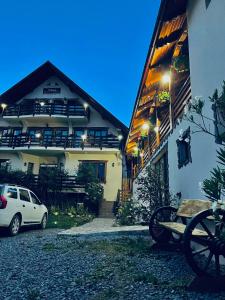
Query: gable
{"x":40,"y":76}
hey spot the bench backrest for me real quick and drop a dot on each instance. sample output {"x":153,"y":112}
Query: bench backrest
{"x":190,"y":207}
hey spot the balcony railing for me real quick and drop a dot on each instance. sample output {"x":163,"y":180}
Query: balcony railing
{"x":26,"y":141}
{"x":49,"y":109}
{"x":62,"y":182}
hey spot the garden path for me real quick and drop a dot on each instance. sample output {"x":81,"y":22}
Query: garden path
{"x":103,"y":226}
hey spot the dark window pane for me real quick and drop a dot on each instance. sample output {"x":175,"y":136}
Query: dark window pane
{"x":34,"y":198}
{"x":24,"y":195}
{"x":12,"y":193}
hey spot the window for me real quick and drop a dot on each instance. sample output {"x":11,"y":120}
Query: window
{"x":78,"y":133}
{"x":12,"y":193}
{"x":24,"y":195}
{"x":184,"y":148}
{"x":99,"y":169}
{"x":161,"y":168}
{"x":98,"y":133}
{"x":207,"y":2}
{"x":34,"y":198}
{"x":4,"y":164}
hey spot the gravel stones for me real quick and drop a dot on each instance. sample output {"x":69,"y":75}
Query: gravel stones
{"x":39,"y":265}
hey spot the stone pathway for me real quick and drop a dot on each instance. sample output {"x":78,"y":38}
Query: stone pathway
{"x":103,"y":227}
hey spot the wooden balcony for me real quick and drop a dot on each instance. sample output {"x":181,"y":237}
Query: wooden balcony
{"x":49,"y":109}
{"x":181,"y":96}
{"x":48,"y":142}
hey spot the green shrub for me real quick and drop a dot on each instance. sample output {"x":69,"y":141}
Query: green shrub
{"x":127,"y":213}
{"x":93,"y":188}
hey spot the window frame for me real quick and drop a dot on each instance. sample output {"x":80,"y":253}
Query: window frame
{"x":181,"y":142}
{"x":97,"y":162}
{"x":28,"y":195}
{"x":35,"y":196}
{"x":12,"y":187}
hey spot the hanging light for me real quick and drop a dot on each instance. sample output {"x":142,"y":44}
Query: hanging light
{"x":38,"y":135}
{"x":166,"y":78}
{"x":145,"y":126}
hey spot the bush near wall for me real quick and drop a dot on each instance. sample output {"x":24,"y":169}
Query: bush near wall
{"x":151,"y":193}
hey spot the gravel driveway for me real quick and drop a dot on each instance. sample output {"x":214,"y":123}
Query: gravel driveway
{"x":38,"y":265}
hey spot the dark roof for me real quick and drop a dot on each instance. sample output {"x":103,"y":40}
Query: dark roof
{"x":41,"y":74}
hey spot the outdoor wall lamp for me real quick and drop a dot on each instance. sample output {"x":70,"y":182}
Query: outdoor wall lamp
{"x":42,"y":103}
{"x":85,"y":106}
{"x":37,"y":135}
{"x":3,"y":106}
{"x":120,"y":137}
{"x":84,"y":137}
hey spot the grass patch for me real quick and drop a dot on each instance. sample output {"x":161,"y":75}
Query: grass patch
{"x":127,"y":246}
{"x":107,"y":294}
{"x":49,"y":247}
{"x":33,"y":295}
{"x":146,"y":278}
{"x":64,"y":221}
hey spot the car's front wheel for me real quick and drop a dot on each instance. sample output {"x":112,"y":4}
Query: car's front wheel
{"x":14,"y":226}
{"x":44,"y":222}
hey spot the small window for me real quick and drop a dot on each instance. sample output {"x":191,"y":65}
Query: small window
{"x":12,"y":193}
{"x":34,"y":198}
{"x":98,"y":133}
{"x":24,"y":195}
{"x":184,"y":149}
{"x":207,"y":2}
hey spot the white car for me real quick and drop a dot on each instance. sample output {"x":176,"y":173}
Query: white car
{"x":20,"y":207}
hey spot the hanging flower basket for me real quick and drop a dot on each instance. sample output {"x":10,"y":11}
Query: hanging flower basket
{"x":164,"y":96}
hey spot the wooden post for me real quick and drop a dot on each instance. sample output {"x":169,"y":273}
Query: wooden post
{"x":171,"y":106}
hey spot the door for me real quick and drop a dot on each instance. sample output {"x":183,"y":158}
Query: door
{"x":38,"y":211}
{"x":28,"y":212}
{"x":47,"y":137}
{"x":30,"y":168}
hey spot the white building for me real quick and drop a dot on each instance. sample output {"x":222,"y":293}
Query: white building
{"x":187,"y":45}
{"x":47,"y":120}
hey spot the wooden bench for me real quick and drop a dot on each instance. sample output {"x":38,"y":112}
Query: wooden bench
{"x":193,"y":225}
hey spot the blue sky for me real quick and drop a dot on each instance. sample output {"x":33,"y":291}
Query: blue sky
{"x":100,"y":44}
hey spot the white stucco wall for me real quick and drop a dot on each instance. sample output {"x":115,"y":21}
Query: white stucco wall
{"x":206,"y":29}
